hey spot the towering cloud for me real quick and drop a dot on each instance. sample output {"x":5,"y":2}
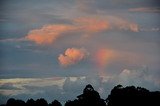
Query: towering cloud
{"x":72,"y":56}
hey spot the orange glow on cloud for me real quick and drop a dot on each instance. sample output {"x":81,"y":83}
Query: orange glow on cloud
{"x":48,"y":34}
{"x":92,"y":24}
{"x":104,"y":56}
{"x":72,"y":56}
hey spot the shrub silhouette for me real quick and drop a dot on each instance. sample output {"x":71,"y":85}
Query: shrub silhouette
{"x":119,"y":96}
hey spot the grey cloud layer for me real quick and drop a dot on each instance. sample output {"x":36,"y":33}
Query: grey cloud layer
{"x":70,"y":87}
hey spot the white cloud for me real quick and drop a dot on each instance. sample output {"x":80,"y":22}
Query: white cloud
{"x":138,"y":77}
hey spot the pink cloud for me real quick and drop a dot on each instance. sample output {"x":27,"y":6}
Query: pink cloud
{"x":72,"y":56}
{"x":104,"y":56}
{"x":48,"y":34}
{"x":92,"y":24}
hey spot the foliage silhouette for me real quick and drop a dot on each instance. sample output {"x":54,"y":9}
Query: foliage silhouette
{"x":90,"y":97}
{"x":120,"y":96}
{"x":132,"y":96}
{"x":55,"y":103}
{"x":13,"y":102}
{"x":30,"y":102}
{"x":41,"y":102}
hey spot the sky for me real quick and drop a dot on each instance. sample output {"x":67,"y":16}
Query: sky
{"x":54,"y":48}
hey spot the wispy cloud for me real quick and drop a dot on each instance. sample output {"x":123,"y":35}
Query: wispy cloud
{"x":122,"y":24}
{"x":145,"y":9}
{"x":72,"y":56}
{"x":16,"y":86}
{"x":13,"y":40}
{"x":48,"y":34}
{"x":92,"y":25}
{"x":154,"y":29}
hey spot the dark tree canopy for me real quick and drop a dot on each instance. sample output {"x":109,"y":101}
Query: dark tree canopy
{"x":132,"y":96}
{"x":120,"y":96}
{"x":55,"y":103}
{"x":90,"y":97}
{"x":13,"y":102}
{"x":41,"y":102}
{"x":30,"y":102}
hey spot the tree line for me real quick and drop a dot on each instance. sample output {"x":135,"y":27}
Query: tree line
{"x":119,"y":96}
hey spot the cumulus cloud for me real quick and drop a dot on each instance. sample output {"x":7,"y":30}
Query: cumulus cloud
{"x":128,"y":77}
{"x":139,"y":77}
{"x":48,"y":34}
{"x":72,"y":56}
{"x":77,"y":85}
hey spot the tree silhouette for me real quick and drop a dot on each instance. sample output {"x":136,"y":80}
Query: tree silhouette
{"x":41,"y":102}
{"x":120,"y":96}
{"x":13,"y":102}
{"x":30,"y":102}
{"x":132,"y":96}
{"x":90,"y":97}
{"x":55,"y":103}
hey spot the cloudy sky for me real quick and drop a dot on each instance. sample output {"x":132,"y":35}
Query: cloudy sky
{"x":53,"y":48}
